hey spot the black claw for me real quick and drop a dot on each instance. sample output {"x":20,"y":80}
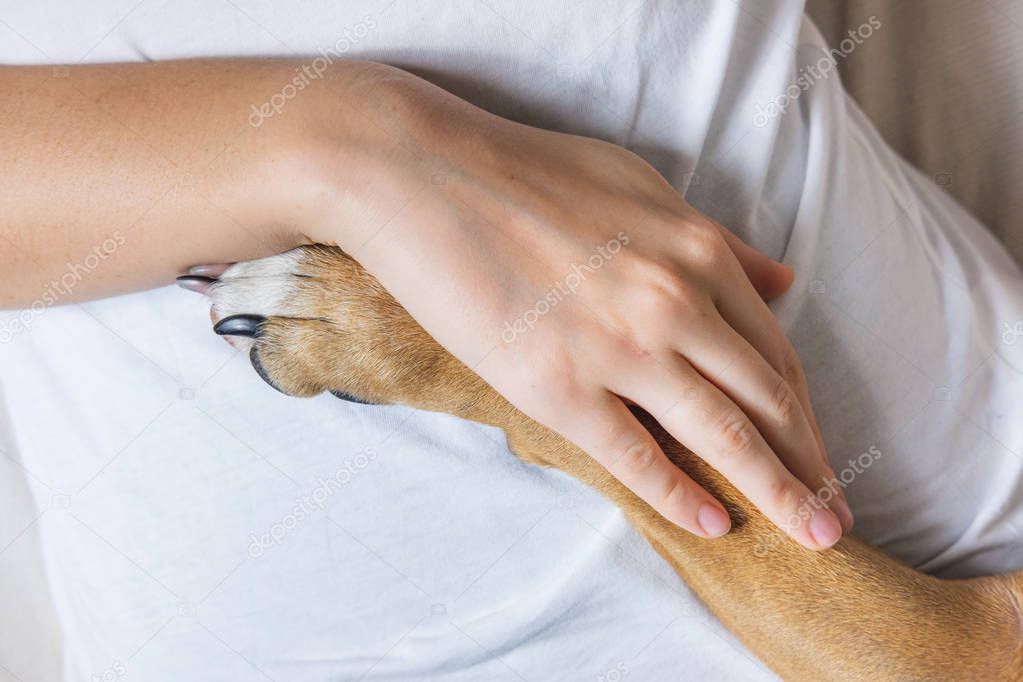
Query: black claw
{"x":349,"y":397}
{"x":260,"y":370}
{"x":241,"y":325}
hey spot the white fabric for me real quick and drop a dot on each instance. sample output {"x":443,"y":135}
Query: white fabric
{"x":154,"y":454}
{"x":955,"y":112}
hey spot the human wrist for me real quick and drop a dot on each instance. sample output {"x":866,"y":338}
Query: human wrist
{"x":378,"y":136}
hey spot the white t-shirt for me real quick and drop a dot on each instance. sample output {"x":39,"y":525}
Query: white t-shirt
{"x":193,"y":524}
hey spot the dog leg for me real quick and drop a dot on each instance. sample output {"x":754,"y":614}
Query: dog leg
{"x":315,"y":321}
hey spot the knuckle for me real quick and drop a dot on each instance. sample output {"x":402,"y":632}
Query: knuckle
{"x":636,"y":347}
{"x":637,"y":457}
{"x":705,"y":244}
{"x":677,"y":496}
{"x":784,"y":402}
{"x":786,"y":496}
{"x":735,"y":433}
{"x":789,"y":366}
{"x":664,"y":283}
{"x":666,"y":293}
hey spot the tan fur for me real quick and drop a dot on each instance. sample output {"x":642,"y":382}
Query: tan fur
{"x":847,"y":613}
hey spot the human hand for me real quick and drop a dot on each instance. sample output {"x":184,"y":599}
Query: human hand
{"x":574,"y":279}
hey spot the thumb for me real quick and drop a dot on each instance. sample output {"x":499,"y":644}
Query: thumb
{"x":770,"y":278}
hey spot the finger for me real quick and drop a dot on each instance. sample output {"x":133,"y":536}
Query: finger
{"x":803,"y":392}
{"x":612,"y":435}
{"x":752,"y":319}
{"x":728,"y":361}
{"x":770,"y":278}
{"x":755,"y":322}
{"x":832,"y":484}
{"x":699,"y":415}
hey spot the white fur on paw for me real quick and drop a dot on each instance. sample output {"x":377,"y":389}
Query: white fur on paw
{"x":257,"y":287}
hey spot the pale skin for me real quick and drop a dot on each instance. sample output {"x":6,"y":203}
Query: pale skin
{"x":469,"y":220}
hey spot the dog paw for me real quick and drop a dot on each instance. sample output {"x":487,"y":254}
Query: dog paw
{"x":313,"y":320}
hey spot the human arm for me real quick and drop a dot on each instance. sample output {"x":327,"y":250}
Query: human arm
{"x":471,"y":221}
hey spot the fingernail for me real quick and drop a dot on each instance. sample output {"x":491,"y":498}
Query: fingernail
{"x":843,"y":512}
{"x":825,"y":528}
{"x":213,"y":270}
{"x":240,"y":325}
{"x":713,"y":520}
{"x":199,"y":285}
